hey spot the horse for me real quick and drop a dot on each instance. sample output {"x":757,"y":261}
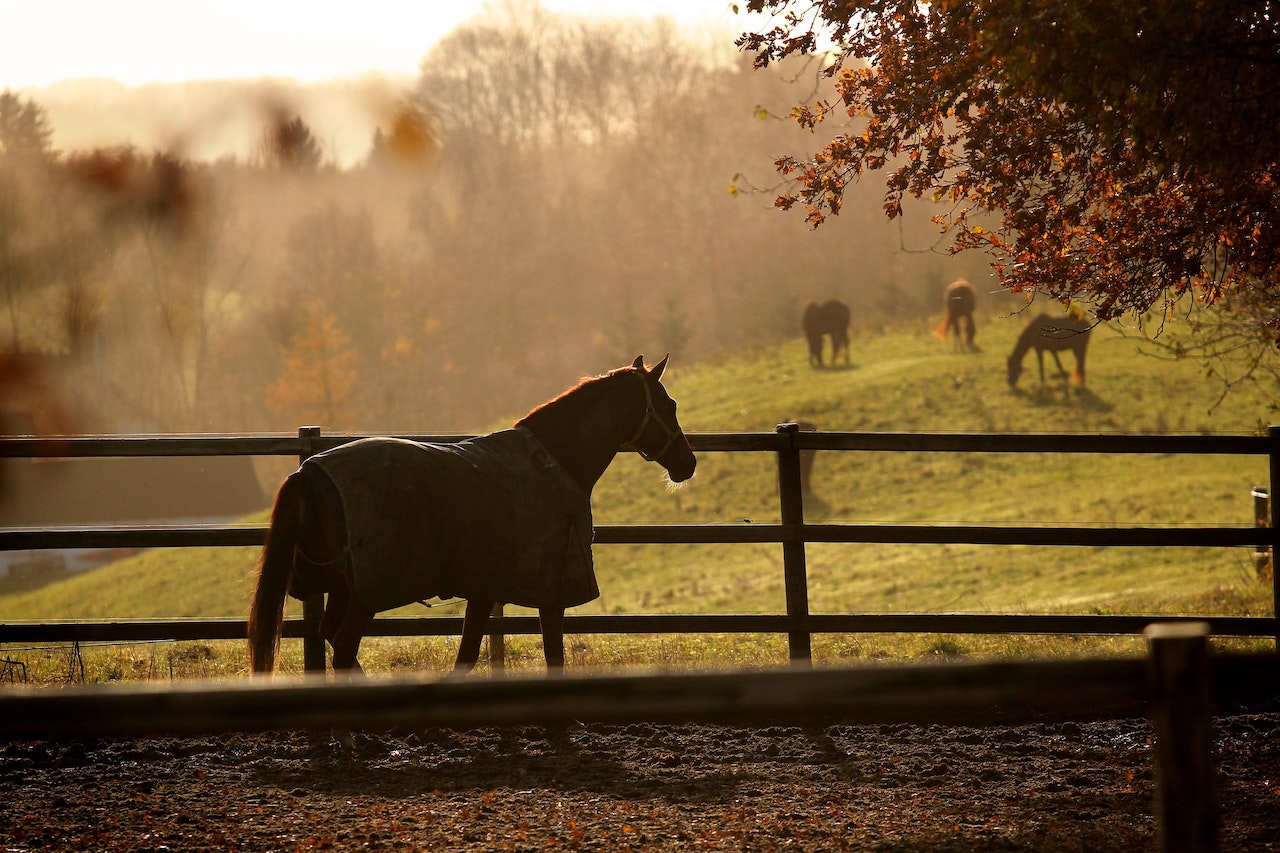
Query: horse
{"x":958,"y":301}
{"x":379,"y":523}
{"x":1052,"y":334}
{"x":830,"y":318}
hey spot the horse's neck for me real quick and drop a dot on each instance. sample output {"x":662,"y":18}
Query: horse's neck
{"x":1026,"y":341}
{"x":581,"y":431}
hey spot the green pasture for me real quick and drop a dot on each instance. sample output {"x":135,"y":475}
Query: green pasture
{"x":905,"y":380}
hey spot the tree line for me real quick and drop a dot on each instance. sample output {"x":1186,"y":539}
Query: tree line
{"x":552,"y":197}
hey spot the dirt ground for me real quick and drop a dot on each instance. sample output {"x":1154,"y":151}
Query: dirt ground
{"x":1085,"y":785}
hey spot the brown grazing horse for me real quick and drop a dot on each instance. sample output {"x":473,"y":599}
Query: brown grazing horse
{"x":958,"y":302}
{"x":503,"y":518}
{"x":1051,"y":334}
{"x":831,"y":318}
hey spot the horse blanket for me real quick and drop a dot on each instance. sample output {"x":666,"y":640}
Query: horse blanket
{"x":494,"y":517}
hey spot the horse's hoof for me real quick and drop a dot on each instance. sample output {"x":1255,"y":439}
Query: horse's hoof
{"x":343,"y":738}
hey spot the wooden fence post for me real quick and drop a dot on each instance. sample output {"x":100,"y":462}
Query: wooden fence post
{"x":313,"y":605}
{"x":1273,"y":436}
{"x":1262,"y":519}
{"x":497,"y":645}
{"x":1179,"y":682}
{"x":795,"y":572}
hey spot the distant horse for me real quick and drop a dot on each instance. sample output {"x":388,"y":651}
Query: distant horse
{"x":505,"y":518}
{"x":958,"y":301}
{"x":831,"y":318}
{"x":1052,"y":334}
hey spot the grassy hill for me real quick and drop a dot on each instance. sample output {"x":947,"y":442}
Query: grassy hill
{"x":905,"y":380}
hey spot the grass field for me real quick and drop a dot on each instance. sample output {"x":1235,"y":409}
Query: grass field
{"x":902,"y":381}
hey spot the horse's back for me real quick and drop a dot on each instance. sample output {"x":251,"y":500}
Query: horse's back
{"x":960,"y":298}
{"x":1059,"y":327}
{"x":836,"y":312}
{"x":493,"y":517}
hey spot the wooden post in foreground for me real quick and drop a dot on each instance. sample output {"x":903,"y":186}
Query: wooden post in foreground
{"x":1178,"y":678}
{"x":795,"y":572}
{"x":1273,"y":438}
{"x":312,"y":606}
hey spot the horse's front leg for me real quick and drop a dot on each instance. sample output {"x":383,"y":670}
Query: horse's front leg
{"x":552,"y":620}
{"x":1062,"y":371}
{"x":473,"y":624}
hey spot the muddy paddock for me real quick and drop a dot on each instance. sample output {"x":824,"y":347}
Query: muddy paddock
{"x":1021,"y":785}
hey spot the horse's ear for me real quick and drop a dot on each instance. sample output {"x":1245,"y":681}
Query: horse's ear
{"x":655,"y":372}
{"x":638,"y":364}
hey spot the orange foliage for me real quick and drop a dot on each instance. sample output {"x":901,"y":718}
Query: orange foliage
{"x":317,"y":384}
{"x":1129,"y":150}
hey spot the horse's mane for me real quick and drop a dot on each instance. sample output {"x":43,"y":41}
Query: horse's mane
{"x":585,"y":383}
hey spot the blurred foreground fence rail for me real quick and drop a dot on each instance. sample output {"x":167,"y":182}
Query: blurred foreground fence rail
{"x":789,"y":443}
{"x":1179,"y":686}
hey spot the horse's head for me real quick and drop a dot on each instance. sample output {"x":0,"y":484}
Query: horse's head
{"x":658,"y":436}
{"x":1015,"y":370}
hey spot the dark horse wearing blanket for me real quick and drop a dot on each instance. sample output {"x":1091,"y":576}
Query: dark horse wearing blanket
{"x":831,"y":318}
{"x":503,"y":518}
{"x":1051,"y":334}
{"x":958,"y":302}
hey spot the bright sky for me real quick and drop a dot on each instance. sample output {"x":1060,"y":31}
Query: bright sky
{"x":140,"y":41}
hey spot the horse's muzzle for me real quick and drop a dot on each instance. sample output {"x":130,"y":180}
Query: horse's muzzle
{"x":682,"y":469}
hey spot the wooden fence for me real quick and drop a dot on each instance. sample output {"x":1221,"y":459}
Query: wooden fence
{"x":1177,"y":686}
{"x":792,"y":534}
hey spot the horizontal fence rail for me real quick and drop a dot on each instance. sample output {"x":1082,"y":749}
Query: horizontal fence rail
{"x":19,"y":539}
{"x":981,"y":692}
{"x":148,"y":630}
{"x":891,"y":693}
{"x":730,"y":442}
{"x":872,"y":694}
{"x":793,"y":533}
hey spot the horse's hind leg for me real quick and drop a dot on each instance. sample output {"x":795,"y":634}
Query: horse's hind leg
{"x":473,"y":624}
{"x":1062,"y":371}
{"x":338,"y":626}
{"x":552,"y":620}
{"x":343,"y":625}
{"x":346,"y":641}
{"x":335,"y":610}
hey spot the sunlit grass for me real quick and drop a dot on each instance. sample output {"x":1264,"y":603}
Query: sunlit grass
{"x":903,"y":381}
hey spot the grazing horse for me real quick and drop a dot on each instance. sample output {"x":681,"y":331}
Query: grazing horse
{"x":830,"y":318}
{"x":1053,"y":334}
{"x":958,"y":301}
{"x":504,"y":518}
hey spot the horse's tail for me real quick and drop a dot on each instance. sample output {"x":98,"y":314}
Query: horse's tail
{"x":266,"y":614}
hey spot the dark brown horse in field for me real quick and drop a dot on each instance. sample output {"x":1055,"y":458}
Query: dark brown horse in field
{"x":502,"y":518}
{"x":1053,"y":335}
{"x":831,"y":319}
{"x":958,"y":302}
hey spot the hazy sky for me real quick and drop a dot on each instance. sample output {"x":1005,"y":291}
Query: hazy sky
{"x":139,"y":41}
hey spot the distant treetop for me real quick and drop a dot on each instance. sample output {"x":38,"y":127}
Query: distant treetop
{"x":1131,"y":152}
